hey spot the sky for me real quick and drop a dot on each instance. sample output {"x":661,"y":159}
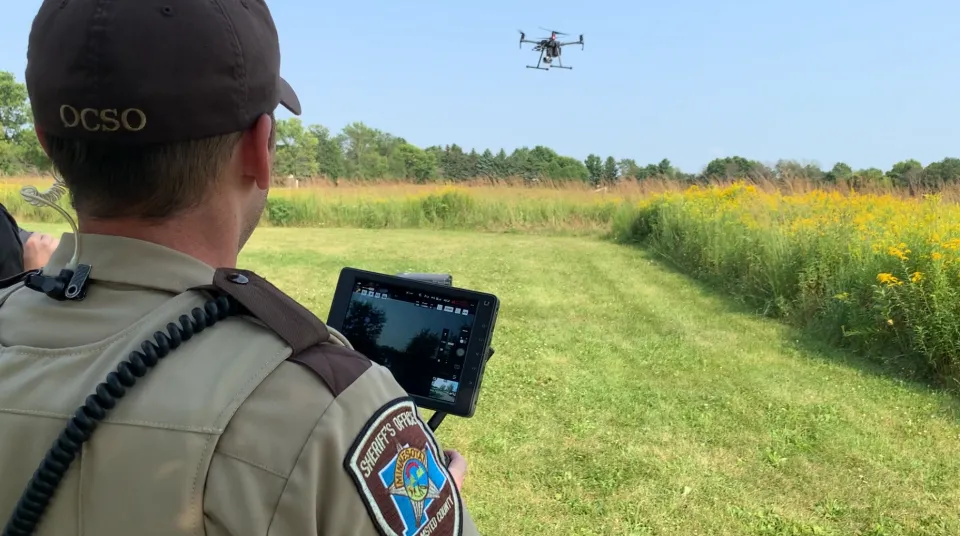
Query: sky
{"x":869,"y":83}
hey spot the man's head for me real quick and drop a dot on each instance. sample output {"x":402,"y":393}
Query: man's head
{"x":154,"y":111}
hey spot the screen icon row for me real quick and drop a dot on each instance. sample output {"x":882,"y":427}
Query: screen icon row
{"x":372,"y":294}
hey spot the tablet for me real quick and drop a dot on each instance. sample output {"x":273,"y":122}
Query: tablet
{"x":433,"y":338}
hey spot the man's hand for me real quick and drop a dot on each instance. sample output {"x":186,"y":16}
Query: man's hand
{"x":457,"y":467}
{"x":37,"y":250}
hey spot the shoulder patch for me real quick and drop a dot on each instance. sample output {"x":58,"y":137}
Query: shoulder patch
{"x":401,"y":475}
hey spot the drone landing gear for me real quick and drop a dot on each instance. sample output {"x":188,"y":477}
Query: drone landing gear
{"x":549,"y":62}
{"x":558,"y":65}
{"x":539,"y":61}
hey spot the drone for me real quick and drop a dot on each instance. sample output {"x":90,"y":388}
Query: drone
{"x":549,"y":48}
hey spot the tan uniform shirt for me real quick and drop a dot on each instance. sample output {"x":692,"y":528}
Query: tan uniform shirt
{"x":256,"y":425}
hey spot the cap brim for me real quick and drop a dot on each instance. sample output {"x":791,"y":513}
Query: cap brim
{"x":288,"y":97}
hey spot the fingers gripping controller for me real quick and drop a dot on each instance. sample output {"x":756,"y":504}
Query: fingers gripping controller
{"x":43,"y":485}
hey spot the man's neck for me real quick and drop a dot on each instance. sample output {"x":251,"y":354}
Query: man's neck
{"x":213,"y":243}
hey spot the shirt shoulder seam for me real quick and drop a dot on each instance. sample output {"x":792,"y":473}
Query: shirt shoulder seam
{"x":310,"y":437}
{"x":251,"y":463}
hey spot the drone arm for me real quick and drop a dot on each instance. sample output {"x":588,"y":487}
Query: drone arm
{"x":578,"y":42}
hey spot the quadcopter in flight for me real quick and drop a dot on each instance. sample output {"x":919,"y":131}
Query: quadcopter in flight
{"x":549,"y":48}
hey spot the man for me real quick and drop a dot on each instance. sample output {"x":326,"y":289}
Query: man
{"x":11,"y":245}
{"x":21,"y":250}
{"x":212,"y":403}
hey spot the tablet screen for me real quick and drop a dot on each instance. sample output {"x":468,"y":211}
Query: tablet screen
{"x":422,"y":337}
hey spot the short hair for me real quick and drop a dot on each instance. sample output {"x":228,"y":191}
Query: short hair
{"x":152,"y":182}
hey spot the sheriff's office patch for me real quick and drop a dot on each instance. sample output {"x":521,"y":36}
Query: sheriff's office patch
{"x":398,"y":469}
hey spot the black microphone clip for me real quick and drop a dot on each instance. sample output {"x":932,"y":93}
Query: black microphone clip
{"x":68,"y":285}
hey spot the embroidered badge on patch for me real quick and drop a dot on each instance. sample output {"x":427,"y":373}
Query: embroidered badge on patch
{"x":397,"y":466}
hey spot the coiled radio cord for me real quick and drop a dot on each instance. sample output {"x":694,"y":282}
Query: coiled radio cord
{"x":43,"y":485}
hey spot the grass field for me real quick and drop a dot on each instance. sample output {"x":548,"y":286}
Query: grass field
{"x":625,"y":399}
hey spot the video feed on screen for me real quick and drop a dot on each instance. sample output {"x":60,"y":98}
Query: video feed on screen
{"x":445,"y":390}
{"x":421,"y":337}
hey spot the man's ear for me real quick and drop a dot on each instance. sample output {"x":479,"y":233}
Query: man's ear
{"x":255,"y":147}
{"x":42,"y":139}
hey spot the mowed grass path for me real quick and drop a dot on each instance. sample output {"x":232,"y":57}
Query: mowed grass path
{"x":624,"y":399}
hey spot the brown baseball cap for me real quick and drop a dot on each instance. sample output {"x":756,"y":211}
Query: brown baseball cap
{"x":153,"y":71}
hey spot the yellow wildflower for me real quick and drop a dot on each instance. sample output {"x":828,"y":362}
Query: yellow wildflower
{"x":887,"y":279}
{"x":897,"y":252}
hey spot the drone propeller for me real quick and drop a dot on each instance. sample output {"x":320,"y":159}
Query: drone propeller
{"x":551,"y":31}
{"x":522,"y":35}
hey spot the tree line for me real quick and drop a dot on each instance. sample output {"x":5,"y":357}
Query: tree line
{"x":360,"y":151}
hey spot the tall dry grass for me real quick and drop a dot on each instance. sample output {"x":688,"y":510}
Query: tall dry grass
{"x":505,"y":205}
{"x":490,"y":204}
{"x":510,"y":206}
